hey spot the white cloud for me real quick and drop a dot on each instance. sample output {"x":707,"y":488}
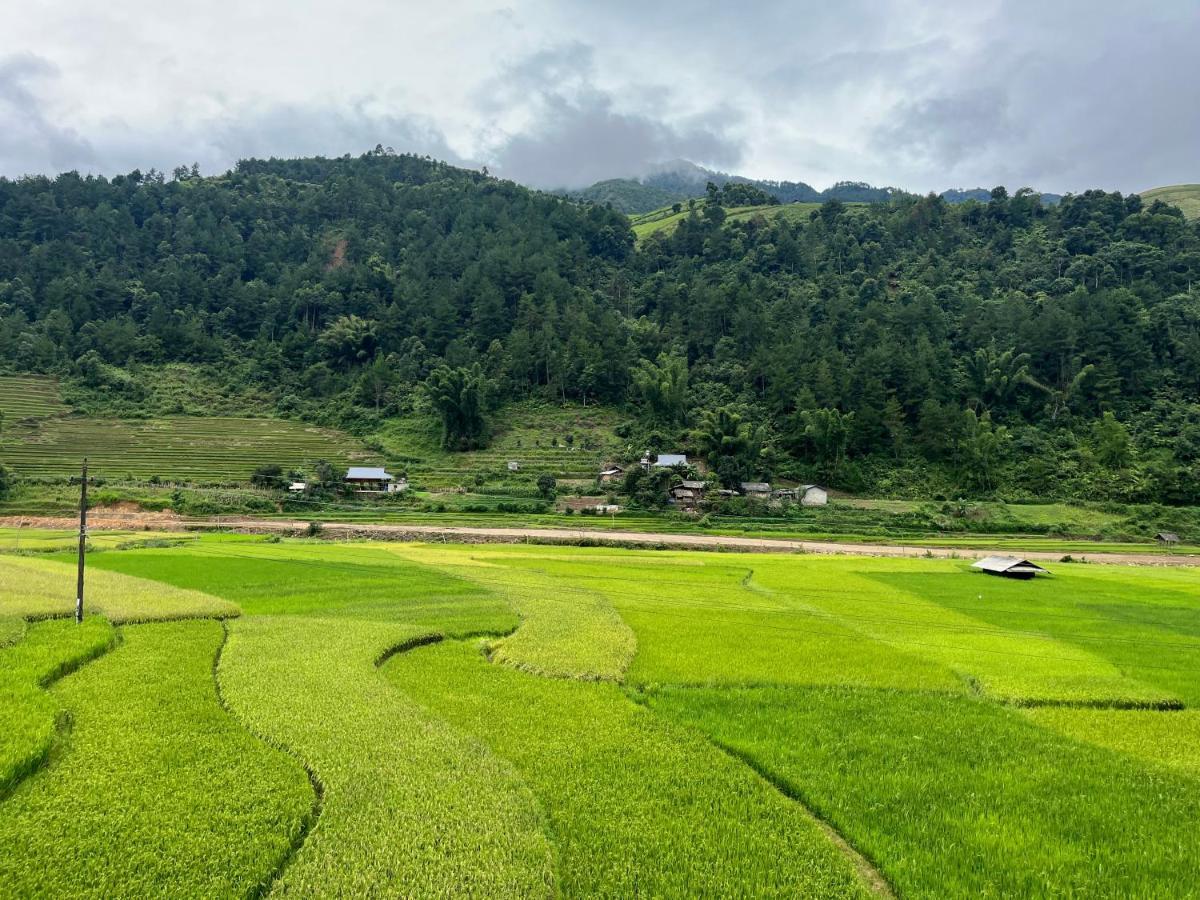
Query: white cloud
{"x":923,"y":95}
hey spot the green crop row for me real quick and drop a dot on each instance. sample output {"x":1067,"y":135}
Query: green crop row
{"x":156,"y":791}
{"x":41,"y":588}
{"x":953,"y":796}
{"x":879,"y":693}
{"x":637,"y":806}
{"x":43,"y":653}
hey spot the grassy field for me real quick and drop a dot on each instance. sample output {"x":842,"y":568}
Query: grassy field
{"x":1185,"y":196}
{"x":177,"y":448}
{"x":514,"y":721}
{"x":665,"y":220}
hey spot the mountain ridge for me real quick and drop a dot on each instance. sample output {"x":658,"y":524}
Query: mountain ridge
{"x":679,"y":180}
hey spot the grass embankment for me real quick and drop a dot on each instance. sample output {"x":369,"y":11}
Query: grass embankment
{"x":158,"y":790}
{"x":1185,"y":196}
{"x":636,"y":806}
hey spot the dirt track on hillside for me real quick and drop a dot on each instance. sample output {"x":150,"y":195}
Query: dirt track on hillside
{"x":478,"y":534}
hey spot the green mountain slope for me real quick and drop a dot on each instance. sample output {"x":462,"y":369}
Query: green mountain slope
{"x":1185,"y":196}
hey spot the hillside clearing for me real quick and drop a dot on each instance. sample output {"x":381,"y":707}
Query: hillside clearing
{"x":1185,"y":196}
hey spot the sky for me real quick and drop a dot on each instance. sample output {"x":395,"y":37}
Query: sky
{"x":1054,"y":94}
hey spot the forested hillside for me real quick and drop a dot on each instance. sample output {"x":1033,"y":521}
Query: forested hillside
{"x":911,"y":347}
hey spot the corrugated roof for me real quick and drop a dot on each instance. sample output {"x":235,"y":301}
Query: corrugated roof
{"x":671,"y":459}
{"x":756,"y":487}
{"x":1007,"y":564}
{"x":694,"y":485}
{"x":366,"y":473}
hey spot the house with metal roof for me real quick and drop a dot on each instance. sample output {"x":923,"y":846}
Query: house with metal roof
{"x":666,"y":460}
{"x":1008,"y":567}
{"x":367,"y":480}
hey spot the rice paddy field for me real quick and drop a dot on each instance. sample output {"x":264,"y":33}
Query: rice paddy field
{"x":41,"y":439}
{"x":240,"y":716}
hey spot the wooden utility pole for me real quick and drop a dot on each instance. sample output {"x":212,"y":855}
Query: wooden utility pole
{"x":82,"y":542}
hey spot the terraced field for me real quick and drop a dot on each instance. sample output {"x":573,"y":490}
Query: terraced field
{"x":29,"y":396}
{"x":179,"y":448}
{"x":534,"y":435}
{"x":521,"y":721}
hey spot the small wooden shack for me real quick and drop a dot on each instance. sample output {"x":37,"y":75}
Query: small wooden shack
{"x":688,"y":494}
{"x":609,"y":474}
{"x":756,"y":490}
{"x":1008,"y":567}
{"x":514,"y":466}
{"x":1169,"y":538}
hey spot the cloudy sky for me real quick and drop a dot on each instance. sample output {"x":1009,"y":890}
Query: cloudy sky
{"x":1057,"y":94}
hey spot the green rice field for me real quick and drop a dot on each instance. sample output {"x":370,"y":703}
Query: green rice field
{"x":249,"y":716}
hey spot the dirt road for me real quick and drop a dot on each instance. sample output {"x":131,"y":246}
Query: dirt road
{"x":479,"y":534}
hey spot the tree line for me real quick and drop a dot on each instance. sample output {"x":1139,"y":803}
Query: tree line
{"x":910,"y":347}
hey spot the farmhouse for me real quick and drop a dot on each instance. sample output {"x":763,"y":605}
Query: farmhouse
{"x":666,"y":460}
{"x":367,"y":480}
{"x":756,"y":490}
{"x":1008,"y":567}
{"x":688,"y":494}
{"x":610,"y":474}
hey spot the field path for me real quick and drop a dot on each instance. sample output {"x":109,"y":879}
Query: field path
{"x":468,"y":534}
{"x":473,"y":534}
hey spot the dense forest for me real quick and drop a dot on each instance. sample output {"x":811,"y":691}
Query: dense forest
{"x":910,"y":347}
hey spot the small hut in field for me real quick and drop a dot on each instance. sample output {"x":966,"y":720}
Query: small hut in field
{"x":1009,"y":567}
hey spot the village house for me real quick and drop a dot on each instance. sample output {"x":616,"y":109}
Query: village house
{"x":298,"y":487}
{"x":368,"y":480}
{"x":756,"y":490}
{"x":688,"y":494}
{"x":609,"y":474}
{"x":663,"y":460}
